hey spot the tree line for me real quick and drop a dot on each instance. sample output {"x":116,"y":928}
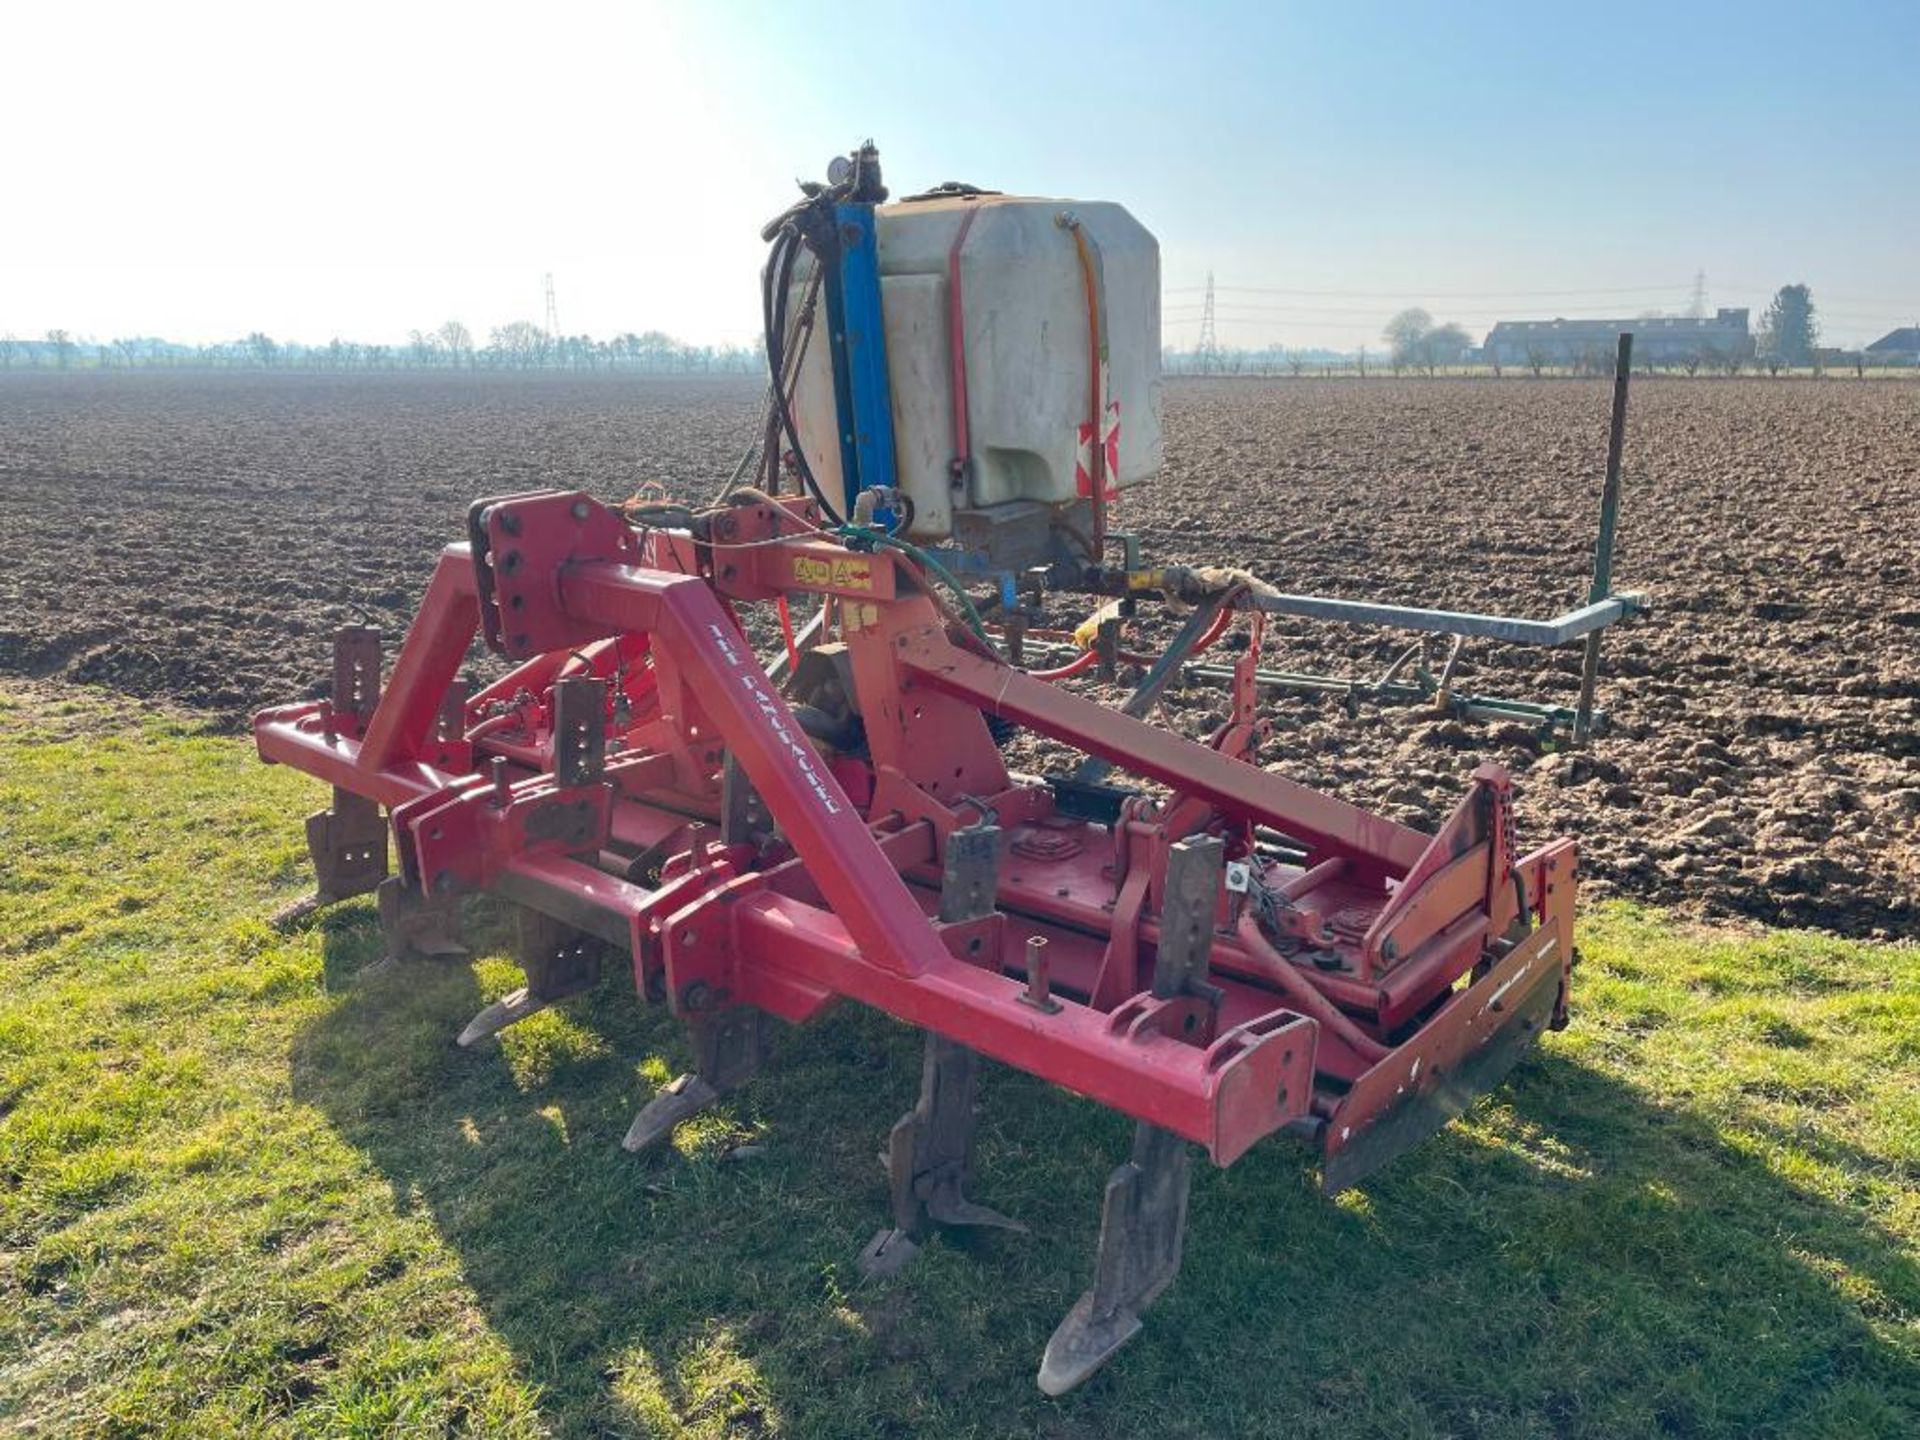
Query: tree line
{"x":1787,"y":338}
{"x":519,"y":345}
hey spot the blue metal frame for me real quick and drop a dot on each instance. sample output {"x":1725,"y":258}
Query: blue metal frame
{"x":862,"y":394}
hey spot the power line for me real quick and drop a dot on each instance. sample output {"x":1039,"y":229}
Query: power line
{"x":1667,"y":289}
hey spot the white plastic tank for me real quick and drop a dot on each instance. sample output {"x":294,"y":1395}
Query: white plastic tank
{"x":1025,"y":325}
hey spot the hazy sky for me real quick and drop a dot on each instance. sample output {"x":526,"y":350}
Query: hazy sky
{"x":198,"y":170}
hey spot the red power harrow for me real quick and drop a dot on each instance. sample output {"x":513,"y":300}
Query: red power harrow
{"x":1226,"y":956}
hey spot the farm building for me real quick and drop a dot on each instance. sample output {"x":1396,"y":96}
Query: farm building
{"x":1661,"y":338}
{"x":1896,"y":347}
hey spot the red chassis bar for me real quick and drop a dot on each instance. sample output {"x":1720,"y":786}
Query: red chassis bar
{"x":1353,"y":992}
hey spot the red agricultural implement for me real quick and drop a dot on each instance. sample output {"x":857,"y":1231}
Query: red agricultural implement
{"x":1217,"y":951}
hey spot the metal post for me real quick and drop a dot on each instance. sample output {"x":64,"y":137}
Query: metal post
{"x":1602,"y":585}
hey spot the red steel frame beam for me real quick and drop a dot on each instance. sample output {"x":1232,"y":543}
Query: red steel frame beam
{"x":1134,"y":745}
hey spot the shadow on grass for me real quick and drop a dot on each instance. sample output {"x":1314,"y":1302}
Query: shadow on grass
{"x":1572,"y":1261}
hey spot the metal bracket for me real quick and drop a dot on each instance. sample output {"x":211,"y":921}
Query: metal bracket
{"x":356,"y":672}
{"x":743,"y":814}
{"x":1143,"y":1225}
{"x":450,"y":724}
{"x":970,"y":877}
{"x":579,"y":731}
{"x":1188,"y":911}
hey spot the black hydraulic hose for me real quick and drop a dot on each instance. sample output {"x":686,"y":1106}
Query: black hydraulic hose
{"x":775,"y":286}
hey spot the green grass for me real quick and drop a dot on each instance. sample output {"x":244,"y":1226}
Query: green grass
{"x":247,"y":1188}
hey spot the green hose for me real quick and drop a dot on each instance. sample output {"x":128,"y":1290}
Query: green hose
{"x":940,"y":572}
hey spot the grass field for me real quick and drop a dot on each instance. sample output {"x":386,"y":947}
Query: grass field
{"x":248,"y":1187}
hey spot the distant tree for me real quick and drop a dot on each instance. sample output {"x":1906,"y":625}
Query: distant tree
{"x":9,"y":347}
{"x":521,"y":343}
{"x":61,"y":343}
{"x":1536,"y":360}
{"x":1296,"y":361}
{"x":1789,"y":328}
{"x":262,"y":348}
{"x":1443,"y":345}
{"x":1691,"y":362}
{"x":1363,"y":362}
{"x":1403,"y":335}
{"x":422,"y":346}
{"x":457,"y":341}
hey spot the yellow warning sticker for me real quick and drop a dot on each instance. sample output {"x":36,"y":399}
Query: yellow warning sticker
{"x":842,"y":572}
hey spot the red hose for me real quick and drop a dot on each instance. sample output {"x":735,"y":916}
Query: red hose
{"x":1078,"y":665}
{"x":1205,"y":642}
{"x":1301,"y":992}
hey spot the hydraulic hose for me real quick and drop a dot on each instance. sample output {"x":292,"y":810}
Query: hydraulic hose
{"x":1300,"y":991}
{"x":1079,"y":665}
{"x":775,"y":284}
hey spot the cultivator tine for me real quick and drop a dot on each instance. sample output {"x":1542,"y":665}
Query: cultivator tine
{"x":930,"y":1160}
{"x":415,"y":923}
{"x":347,"y":843}
{"x":929,"y":1155}
{"x":1143,"y":1218}
{"x":559,"y":961}
{"x":348,"y":840}
{"x":727,"y":1050}
{"x":1143,"y":1223}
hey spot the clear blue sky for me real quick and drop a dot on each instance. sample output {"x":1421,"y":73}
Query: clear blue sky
{"x":373,"y":167}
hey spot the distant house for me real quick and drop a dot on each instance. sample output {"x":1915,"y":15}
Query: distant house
{"x":1896,"y":347}
{"x":1660,"y":339}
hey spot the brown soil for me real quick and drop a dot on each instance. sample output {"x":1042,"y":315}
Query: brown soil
{"x":198,"y":538}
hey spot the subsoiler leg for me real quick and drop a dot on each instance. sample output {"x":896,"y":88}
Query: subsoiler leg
{"x":727,"y":1050}
{"x":415,"y":923}
{"x":1143,"y":1223}
{"x":929,"y":1155}
{"x":347,"y":843}
{"x":348,"y":840}
{"x":930,"y":1160}
{"x":559,"y":961}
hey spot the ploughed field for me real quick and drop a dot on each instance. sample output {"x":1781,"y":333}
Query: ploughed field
{"x":199,"y":538}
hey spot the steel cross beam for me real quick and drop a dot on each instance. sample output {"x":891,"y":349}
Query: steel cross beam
{"x":1238,"y":788}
